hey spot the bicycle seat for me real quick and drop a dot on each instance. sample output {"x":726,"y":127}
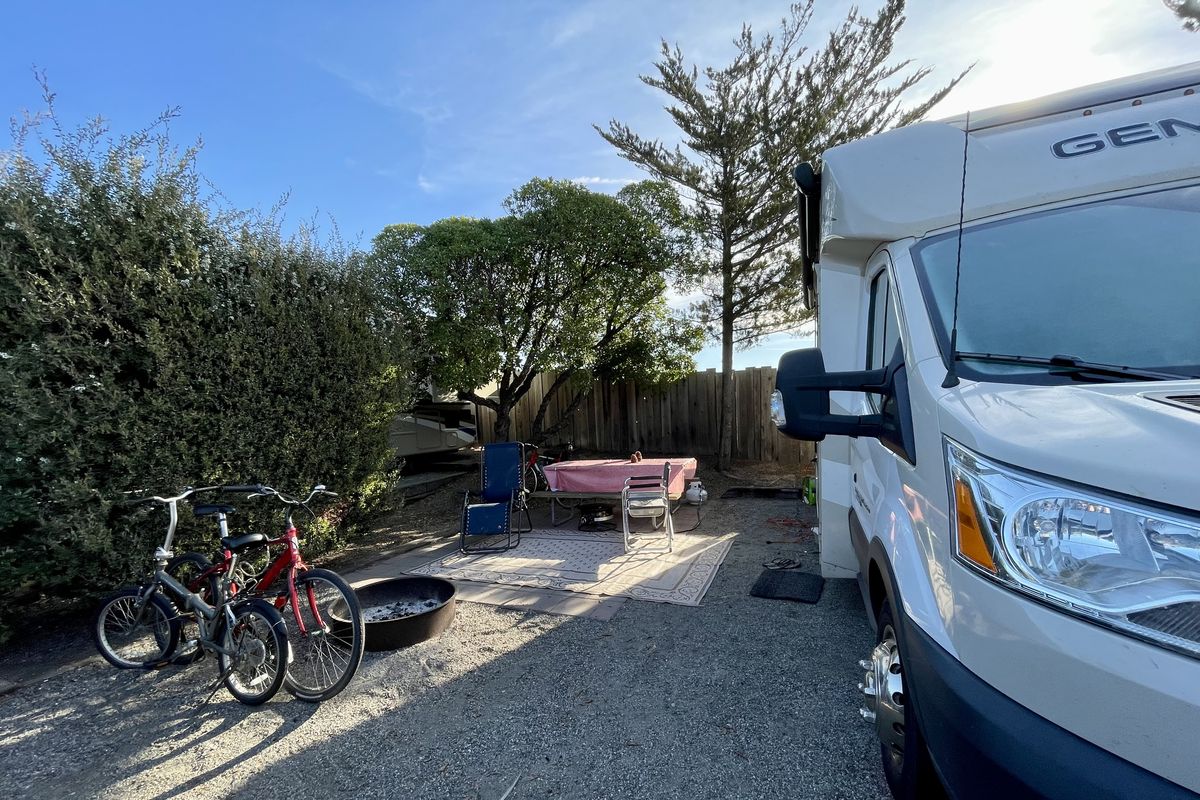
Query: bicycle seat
{"x":236,"y":543}
{"x":212,"y":508}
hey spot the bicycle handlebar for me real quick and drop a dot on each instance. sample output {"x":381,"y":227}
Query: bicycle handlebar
{"x":252,"y":489}
{"x":267,"y":491}
{"x":188,"y":491}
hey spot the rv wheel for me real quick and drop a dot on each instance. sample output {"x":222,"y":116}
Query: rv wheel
{"x":906,"y":763}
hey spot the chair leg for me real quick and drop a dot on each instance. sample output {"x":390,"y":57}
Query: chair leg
{"x":670,"y":532}
{"x":462,"y":531}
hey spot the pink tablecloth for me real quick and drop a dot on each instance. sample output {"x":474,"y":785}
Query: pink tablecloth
{"x":608,"y":476}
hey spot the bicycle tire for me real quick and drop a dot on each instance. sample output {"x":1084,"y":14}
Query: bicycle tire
{"x":118,"y":612}
{"x":260,"y":620}
{"x":325,"y":657}
{"x":535,"y":479}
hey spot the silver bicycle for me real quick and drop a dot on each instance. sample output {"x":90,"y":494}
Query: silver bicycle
{"x":139,"y":627}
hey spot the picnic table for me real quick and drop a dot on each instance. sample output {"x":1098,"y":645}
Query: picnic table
{"x":604,"y":478}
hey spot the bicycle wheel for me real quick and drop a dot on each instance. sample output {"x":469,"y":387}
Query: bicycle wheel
{"x":535,"y":479}
{"x":132,"y":633}
{"x":327,"y":654}
{"x":255,"y":670}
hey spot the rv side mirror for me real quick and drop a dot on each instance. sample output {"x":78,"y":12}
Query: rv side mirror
{"x":800,"y":403}
{"x":794,"y":410}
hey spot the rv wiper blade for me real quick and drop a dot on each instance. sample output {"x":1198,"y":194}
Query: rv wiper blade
{"x":1073,"y":365}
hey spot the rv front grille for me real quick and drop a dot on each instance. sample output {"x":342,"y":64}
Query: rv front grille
{"x":1188,"y":399}
{"x":1181,"y":620}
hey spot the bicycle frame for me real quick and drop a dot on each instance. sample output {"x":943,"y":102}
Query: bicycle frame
{"x":292,"y":562}
{"x":289,"y":562}
{"x":206,"y":615}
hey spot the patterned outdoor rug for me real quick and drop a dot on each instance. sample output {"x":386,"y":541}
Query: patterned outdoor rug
{"x":594,"y":563}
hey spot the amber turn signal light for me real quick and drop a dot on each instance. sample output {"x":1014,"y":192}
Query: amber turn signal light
{"x":972,"y":543}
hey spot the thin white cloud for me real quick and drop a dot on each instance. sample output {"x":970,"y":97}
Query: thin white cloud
{"x":426,"y":185}
{"x":597,"y":180}
{"x":576,"y":24}
{"x":395,"y":92}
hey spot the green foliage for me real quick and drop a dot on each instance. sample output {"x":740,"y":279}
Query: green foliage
{"x":148,"y":343}
{"x":569,"y":281}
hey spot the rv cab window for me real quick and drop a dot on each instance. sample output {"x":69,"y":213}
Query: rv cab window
{"x":883,"y":330}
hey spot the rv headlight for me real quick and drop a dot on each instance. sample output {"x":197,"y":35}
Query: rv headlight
{"x":778,"y":415}
{"x":1133,"y":568}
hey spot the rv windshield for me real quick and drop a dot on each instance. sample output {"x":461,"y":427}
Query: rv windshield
{"x":1115,"y":282}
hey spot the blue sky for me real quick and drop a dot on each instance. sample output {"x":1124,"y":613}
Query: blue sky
{"x":374,"y":113}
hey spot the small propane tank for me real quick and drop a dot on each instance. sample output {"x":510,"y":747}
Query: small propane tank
{"x":696,"y":493}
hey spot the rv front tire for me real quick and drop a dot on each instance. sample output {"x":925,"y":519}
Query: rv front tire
{"x":909,"y":770}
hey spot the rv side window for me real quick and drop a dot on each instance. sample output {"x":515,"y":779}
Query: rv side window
{"x":876,"y":321}
{"x":883,"y":329}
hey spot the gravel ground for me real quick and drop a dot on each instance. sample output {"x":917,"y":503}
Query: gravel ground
{"x":739,"y":698}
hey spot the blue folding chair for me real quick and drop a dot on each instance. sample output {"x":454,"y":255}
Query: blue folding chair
{"x":501,"y":496}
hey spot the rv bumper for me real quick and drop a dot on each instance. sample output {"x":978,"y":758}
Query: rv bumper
{"x":985,"y":745}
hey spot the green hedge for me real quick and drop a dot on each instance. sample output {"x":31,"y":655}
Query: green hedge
{"x":147,"y":342}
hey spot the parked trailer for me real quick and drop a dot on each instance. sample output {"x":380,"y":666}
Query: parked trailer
{"x":1010,"y":304}
{"x":431,"y":428}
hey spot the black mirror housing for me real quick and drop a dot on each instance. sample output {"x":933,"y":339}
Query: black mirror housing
{"x":800,"y":408}
{"x":800,"y":404}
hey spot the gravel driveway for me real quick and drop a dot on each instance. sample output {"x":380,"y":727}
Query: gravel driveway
{"x":739,"y":698}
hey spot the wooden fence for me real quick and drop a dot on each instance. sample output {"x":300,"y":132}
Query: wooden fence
{"x":682,"y":419}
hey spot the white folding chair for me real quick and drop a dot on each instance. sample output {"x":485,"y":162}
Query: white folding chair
{"x":647,"y":497}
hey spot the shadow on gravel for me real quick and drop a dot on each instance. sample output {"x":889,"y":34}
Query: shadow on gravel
{"x":87,"y":741}
{"x":737,"y":698}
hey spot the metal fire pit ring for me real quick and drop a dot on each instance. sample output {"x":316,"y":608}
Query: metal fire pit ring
{"x":390,"y":634}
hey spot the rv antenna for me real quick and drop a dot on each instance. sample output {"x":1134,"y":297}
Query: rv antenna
{"x":952,"y":371}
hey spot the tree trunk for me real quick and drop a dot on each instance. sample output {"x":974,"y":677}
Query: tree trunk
{"x":537,"y":434}
{"x":565,"y":419}
{"x":725,"y":448}
{"x":502,"y":424}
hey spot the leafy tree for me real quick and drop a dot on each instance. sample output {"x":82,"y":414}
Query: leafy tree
{"x":571,"y":281}
{"x":744,"y":126}
{"x":1188,"y":12}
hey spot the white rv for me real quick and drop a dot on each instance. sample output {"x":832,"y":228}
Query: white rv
{"x":1007,"y":395}
{"x":433,"y":428}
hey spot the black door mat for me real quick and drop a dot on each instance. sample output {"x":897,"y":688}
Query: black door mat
{"x":761,"y":493}
{"x":778,"y":584}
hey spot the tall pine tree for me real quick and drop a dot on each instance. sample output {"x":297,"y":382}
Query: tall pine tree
{"x":743,"y":128}
{"x":1188,"y":12}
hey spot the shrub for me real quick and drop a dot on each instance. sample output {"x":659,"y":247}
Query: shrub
{"x":149,"y":342}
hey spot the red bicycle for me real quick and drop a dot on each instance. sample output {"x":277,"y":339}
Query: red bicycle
{"x":325,"y":627}
{"x":535,"y":465}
